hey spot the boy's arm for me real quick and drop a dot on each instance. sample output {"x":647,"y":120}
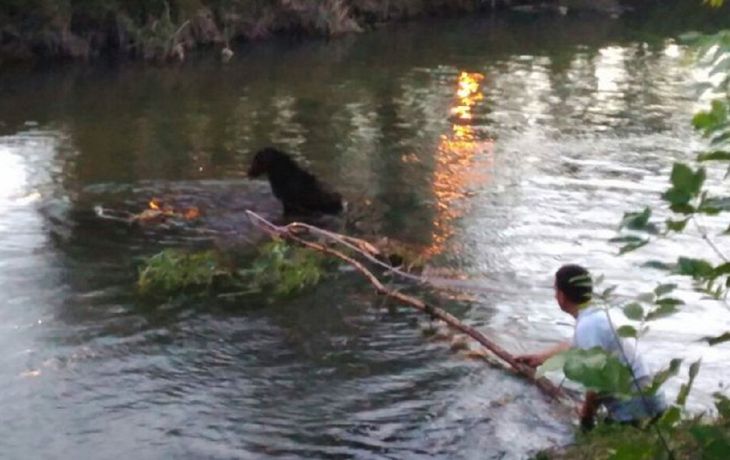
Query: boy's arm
{"x":536,"y":359}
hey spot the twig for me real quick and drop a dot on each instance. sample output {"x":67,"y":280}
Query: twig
{"x":435,"y":312}
{"x":121,"y":216}
{"x":179,"y":30}
{"x":706,"y":237}
{"x":367,"y":250}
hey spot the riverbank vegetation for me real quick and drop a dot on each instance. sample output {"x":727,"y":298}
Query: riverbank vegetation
{"x":168,"y":29}
{"x":693,"y":438}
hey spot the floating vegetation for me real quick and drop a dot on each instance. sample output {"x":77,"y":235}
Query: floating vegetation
{"x":176,"y":271}
{"x":283,"y":269}
{"x":279,"y":270}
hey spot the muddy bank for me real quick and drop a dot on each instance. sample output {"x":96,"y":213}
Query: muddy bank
{"x":163,"y":30}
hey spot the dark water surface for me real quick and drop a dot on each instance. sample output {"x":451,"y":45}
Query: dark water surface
{"x":502,"y":148}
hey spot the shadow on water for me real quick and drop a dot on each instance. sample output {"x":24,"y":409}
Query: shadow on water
{"x":501,"y":146}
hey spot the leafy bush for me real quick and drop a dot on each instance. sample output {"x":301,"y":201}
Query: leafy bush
{"x":166,"y":29}
{"x":691,"y":439}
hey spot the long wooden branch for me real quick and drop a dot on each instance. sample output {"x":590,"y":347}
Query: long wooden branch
{"x":370,"y":252}
{"x":289,"y":232}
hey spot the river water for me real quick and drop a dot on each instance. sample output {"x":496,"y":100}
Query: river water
{"x":501,"y":148}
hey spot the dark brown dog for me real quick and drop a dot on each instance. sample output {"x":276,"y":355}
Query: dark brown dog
{"x":298,"y":190}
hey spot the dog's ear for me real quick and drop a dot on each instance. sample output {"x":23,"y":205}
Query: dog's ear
{"x":260,"y":164}
{"x":256,"y":169}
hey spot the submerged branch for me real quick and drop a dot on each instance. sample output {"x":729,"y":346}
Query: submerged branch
{"x":290,"y":232}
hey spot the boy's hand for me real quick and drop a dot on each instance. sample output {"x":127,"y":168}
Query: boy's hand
{"x":533,"y":360}
{"x":536,"y":359}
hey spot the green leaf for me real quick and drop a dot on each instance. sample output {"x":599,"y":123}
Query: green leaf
{"x":634,"y":449}
{"x":636,"y":220}
{"x":634,"y":311}
{"x":685,"y":184}
{"x":598,"y":370}
{"x":722,"y":269}
{"x":632,"y":247}
{"x":696,"y":268}
{"x":677,"y":225}
{"x":663,"y":289}
{"x":698,"y":181}
{"x":722,"y":338}
{"x":713,"y":441}
{"x":714,"y":3}
{"x":626,"y":239}
{"x":712,"y":120}
{"x":684,"y":390}
{"x":722,"y":404}
{"x":632,"y":243}
{"x":669,"y":301}
{"x":175,"y":271}
{"x":662,"y":311}
{"x":608,"y":291}
{"x":664,"y":375}
{"x":702,"y":121}
{"x":722,"y":203}
{"x":682,"y":208}
{"x":677,"y":197}
{"x":627,"y":331}
{"x":659,"y":265}
{"x":694,"y":368}
{"x":556,"y":362}
{"x":715,"y":205}
{"x":682,"y":177}
{"x":670,"y":418}
{"x":717,"y":155}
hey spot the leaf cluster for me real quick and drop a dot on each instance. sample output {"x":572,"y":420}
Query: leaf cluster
{"x":278,"y":270}
{"x":695,"y":438}
{"x":284,"y":269}
{"x":595,"y":369}
{"x":174,"y":270}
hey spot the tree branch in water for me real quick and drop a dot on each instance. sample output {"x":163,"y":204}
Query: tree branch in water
{"x":293,"y":233}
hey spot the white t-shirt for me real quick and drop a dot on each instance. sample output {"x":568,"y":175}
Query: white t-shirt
{"x":593,"y":329}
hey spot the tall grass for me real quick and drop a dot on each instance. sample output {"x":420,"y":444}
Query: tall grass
{"x":167,"y":29}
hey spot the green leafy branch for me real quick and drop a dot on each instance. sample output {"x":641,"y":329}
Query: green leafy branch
{"x":279,"y":270}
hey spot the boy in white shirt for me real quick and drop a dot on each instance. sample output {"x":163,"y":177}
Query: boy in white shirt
{"x":573,"y":292}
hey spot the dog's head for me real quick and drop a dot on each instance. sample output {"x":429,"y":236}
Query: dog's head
{"x":266,"y":160}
